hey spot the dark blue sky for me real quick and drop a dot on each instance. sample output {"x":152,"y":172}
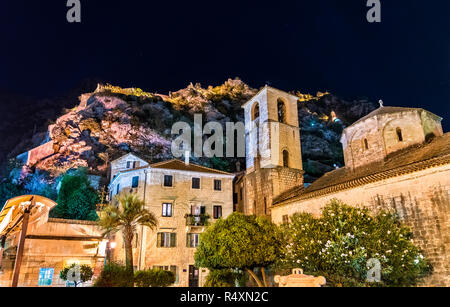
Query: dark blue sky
{"x":313,"y":45}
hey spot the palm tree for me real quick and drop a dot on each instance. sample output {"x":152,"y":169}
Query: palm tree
{"x":126,"y":214}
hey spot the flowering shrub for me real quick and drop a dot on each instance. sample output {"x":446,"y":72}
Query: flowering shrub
{"x":339,"y":244}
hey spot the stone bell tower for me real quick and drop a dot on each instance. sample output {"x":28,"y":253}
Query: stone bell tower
{"x":274,"y":159}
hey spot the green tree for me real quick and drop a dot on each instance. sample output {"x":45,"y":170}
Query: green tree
{"x":114,"y":275}
{"x":240,"y":242}
{"x":77,"y":199}
{"x":340,"y":243}
{"x":70,"y":274}
{"x":154,"y":278}
{"x":125,"y":215}
{"x":222,"y":278}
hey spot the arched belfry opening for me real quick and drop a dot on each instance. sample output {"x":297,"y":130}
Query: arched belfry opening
{"x":255,"y":113}
{"x":282,"y":114}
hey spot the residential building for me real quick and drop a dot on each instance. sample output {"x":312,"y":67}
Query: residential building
{"x":185,"y":198}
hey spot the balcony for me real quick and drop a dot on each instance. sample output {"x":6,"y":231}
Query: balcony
{"x":197,"y":220}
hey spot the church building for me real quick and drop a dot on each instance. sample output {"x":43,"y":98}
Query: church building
{"x":395,"y":159}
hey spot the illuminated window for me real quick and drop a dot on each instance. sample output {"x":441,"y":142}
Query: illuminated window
{"x":46,"y":277}
{"x":167,"y":210}
{"x":193,"y":240}
{"x":217,"y":212}
{"x":167,"y":240}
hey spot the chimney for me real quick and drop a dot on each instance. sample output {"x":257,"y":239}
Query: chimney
{"x":187,"y":156}
{"x":238,"y":166}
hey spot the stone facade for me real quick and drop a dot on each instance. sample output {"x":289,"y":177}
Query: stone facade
{"x":51,"y":245}
{"x":274,"y":163}
{"x":387,"y":130}
{"x":184,"y":200}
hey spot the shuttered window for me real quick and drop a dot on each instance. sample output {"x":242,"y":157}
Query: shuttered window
{"x":217,"y":185}
{"x":167,"y":240}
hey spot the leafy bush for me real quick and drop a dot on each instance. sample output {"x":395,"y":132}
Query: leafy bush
{"x":239,"y":242}
{"x":77,"y":200}
{"x":114,"y":275}
{"x":86,"y":273}
{"x":223,"y":279}
{"x":339,"y":244}
{"x":154,"y":278}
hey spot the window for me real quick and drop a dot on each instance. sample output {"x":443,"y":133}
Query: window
{"x":285,"y":219}
{"x":168,"y":181}
{"x":192,"y":240}
{"x":196,"y":183}
{"x":285,"y":158}
{"x":167,"y":240}
{"x":135,"y":183}
{"x":217,"y":185}
{"x":46,"y":277}
{"x":255,"y":111}
{"x":217,"y":212}
{"x":198,"y":210}
{"x":399,"y":135}
{"x":167,"y":210}
{"x":241,"y":193}
{"x":136,"y":164}
{"x":129,"y":164}
{"x":265,"y":205}
{"x":118,"y":189}
{"x":281,"y":111}
{"x":366,"y":144}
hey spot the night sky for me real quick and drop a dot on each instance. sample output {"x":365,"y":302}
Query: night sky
{"x":159,"y":46}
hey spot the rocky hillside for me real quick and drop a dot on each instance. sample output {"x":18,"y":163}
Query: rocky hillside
{"x":113,"y":121}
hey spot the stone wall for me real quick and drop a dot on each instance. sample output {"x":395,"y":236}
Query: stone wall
{"x":53,"y":245}
{"x":421,"y":199}
{"x":263,"y":185}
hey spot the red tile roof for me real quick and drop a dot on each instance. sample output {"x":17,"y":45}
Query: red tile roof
{"x":406,"y":161}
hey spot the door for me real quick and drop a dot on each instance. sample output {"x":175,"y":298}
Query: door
{"x":194,"y":277}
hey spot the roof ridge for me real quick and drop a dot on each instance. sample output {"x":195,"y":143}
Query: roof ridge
{"x":194,"y":164}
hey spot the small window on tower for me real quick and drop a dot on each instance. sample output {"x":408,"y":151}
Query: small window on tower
{"x":399,"y":135}
{"x":285,"y":158}
{"x":366,"y":144}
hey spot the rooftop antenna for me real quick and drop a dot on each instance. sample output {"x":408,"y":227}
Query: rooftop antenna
{"x":381,"y":103}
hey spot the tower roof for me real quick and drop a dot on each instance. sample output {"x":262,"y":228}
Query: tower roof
{"x":265,"y":88}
